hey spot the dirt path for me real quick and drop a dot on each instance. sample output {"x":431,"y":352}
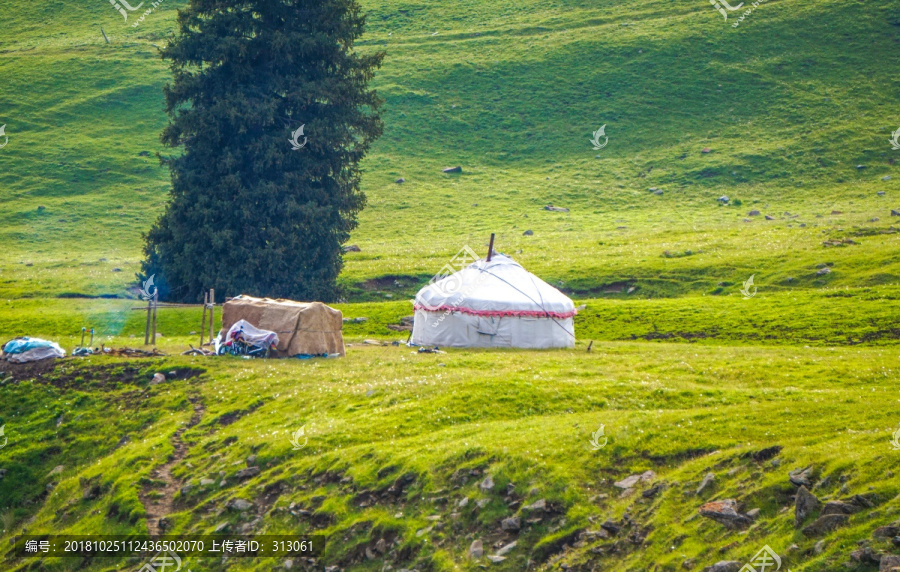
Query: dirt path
{"x":158,"y":507}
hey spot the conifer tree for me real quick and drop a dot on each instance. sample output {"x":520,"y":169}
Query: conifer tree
{"x":248,"y":211}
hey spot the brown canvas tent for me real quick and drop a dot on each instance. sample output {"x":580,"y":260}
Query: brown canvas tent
{"x":302,"y":327}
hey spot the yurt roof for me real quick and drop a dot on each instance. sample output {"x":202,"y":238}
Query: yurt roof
{"x":499,"y":287}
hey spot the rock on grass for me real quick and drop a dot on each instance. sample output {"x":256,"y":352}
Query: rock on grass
{"x":725,"y":513}
{"x":825,"y":524}
{"x":805,"y":504}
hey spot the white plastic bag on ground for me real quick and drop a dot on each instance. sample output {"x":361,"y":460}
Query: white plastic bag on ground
{"x":250,"y":334}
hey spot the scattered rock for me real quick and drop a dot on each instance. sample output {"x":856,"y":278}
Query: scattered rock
{"x":886,"y":178}
{"x":239,"y":505}
{"x":463,"y":503}
{"x":653,"y":491}
{"x":506,"y":549}
{"x":288,"y":564}
{"x":400,"y":181}
{"x":658,"y":192}
{"x":886,"y":531}
{"x":769,"y":217}
{"x":766,"y":454}
{"x":207,"y":482}
{"x":801,"y":477}
{"x":550,"y":207}
{"x":753,"y":513}
{"x":59,"y":468}
{"x":630,"y":481}
{"x":819,"y":548}
{"x":725,"y":513}
{"x":528,"y":233}
{"x":865,"y":556}
{"x":723,"y":199}
{"x":889,"y":562}
{"x":706,"y":150}
{"x":895,"y":212}
{"x":611,"y":527}
{"x":351,"y":248}
{"x":511,"y":524}
{"x":157,"y":379}
{"x":707,"y":481}
{"x":754,"y":212}
{"x":496,"y":559}
{"x":476,"y":550}
{"x":456,"y":169}
{"x":116,"y":269}
{"x":825,"y":524}
{"x":247,"y":473}
{"x":538,"y":505}
{"x":487,"y":484}
{"x":841,"y":507}
{"x":860,"y":166}
{"x":805,"y":504}
{"x":221,"y":527}
{"x":821,"y":272}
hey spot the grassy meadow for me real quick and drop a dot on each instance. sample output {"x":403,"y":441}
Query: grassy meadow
{"x":789,"y":114}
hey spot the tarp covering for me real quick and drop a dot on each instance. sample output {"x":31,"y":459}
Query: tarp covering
{"x":22,"y":350}
{"x":302,"y":327}
{"x":493,"y":304}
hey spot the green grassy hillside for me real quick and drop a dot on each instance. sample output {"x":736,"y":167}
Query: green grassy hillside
{"x":795,"y":106}
{"x":789,"y":103}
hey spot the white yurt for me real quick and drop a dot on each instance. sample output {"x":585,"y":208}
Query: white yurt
{"x":494,"y":303}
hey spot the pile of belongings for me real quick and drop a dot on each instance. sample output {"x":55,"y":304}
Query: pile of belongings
{"x":245,"y":339}
{"x":130,"y":352}
{"x":22,"y":350}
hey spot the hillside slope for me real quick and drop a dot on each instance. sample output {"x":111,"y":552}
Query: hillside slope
{"x":790,"y":103}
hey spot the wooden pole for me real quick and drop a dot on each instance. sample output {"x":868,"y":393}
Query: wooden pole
{"x":212,"y":311}
{"x":203,"y":322}
{"x":147,"y":325}
{"x":154,"y":319}
{"x":491,"y":248}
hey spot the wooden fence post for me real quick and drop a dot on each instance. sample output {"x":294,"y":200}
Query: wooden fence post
{"x":153,"y":304}
{"x":212,"y":311}
{"x":147,"y":325}
{"x":203,"y":322}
